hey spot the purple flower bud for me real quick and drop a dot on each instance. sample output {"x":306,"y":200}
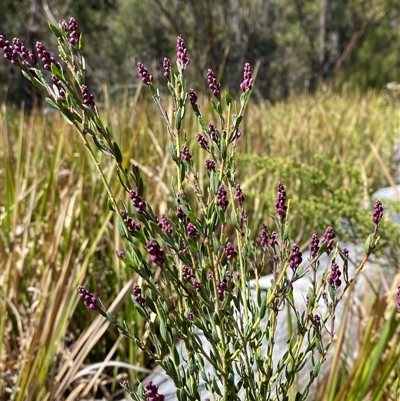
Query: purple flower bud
{"x":156,"y":253}
{"x":239,"y":195}
{"x":212,"y":131}
{"x":64,"y":25}
{"x":230,"y":251}
{"x":121,"y":254}
{"x":137,"y":293}
{"x":190,"y":315}
{"x":185,"y":154}
{"x":334,"y":276}
{"x":280,"y":205}
{"x":165,"y":224}
{"x":214,"y":86}
{"x":144,"y":74}
{"x":130,"y":224}
{"x":191,"y":231}
{"x":247,"y":78}
{"x":316,"y":320}
{"x":167,"y":67}
{"x":295,"y":257}
{"x":88,"y":298}
{"x":87,"y":97}
{"x":137,"y":201}
{"x":221,"y":197}
{"x":328,"y":237}
{"x":187,"y":273}
{"x":193,"y":99}
{"x":378,"y":212}
{"x":221,"y":288}
{"x":202,"y":141}
{"x":264,"y":237}
{"x":210,"y":165}
{"x":314,"y":245}
{"x":272,"y":240}
{"x":73,"y":32}
{"x":181,"y":54}
{"x":196,"y":285}
{"x":152,"y":392}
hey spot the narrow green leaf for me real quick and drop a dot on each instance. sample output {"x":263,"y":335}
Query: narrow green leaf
{"x":55,"y":30}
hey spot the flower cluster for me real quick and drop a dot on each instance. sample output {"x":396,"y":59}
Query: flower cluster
{"x":61,"y":91}
{"x":130,"y":224}
{"x":328,"y":238}
{"x":165,"y":224}
{"x":181,"y":54}
{"x":87,"y":97}
{"x":73,"y":32}
{"x":230,"y":251}
{"x":221,"y":197}
{"x":264,"y":237}
{"x":202,"y":141}
{"x":221,"y":288}
{"x":295,"y":257}
{"x":314,"y":245}
{"x":152,"y":392}
{"x":212,"y":131}
{"x":156,"y":253}
{"x":16,"y":51}
{"x":46,"y":58}
{"x":137,"y":201}
{"x":144,"y":74}
{"x":378,"y":212}
{"x":185,"y":154}
{"x":334,"y":276}
{"x":137,"y":293}
{"x":193,"y":99}
{"x":88,"y":298}
{"x":167,"y":67}
{"x":210,"y":165}
{"x":280,"y":205}
{"x":191,"y":231}
{"x":239,"y":195}
{"x":247,"y":78}
{"x":214,"y":86}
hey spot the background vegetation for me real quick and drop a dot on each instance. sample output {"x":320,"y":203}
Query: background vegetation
{"x":55,"y":229}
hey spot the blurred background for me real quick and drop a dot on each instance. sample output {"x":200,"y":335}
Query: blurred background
{"x":302,"y":45}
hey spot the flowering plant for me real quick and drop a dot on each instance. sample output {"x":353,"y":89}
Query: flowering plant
{"x":200,"y":268}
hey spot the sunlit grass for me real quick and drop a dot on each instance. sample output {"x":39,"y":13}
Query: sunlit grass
{"x":57,"y":231}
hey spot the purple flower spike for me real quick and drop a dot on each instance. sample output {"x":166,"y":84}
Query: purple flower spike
{"x":156,"y":253}
{"x":192,"y":231}
{"x":181,"y":54}
{"x":137,"y":293}
{"x":221,"y":197}
{"x":334,"y":276}
{"x":210,"y":165}
{"x":314,"y":245}
{"x":144,"y":74}
{"x":152,"y":392}
{"x":239,"y":195}
{"x":193,"y":99}
{"x":378,"y":212}
{"x":264,"y":237}
{"x":167,"y":67}
{"x":230,"y":251}
{"x":88,"y":298}
{"x":202,"y":141}
{"x":247,"y":78}
{"x":87,"y":97}
{"x":214,"y":86}
{"x":295,"y":257}
{"x":329,"y":237}
{"x":280,"y":205}
{"x":73,"y":32}
{"x":185,"y":154}
{"x":165,"y":224}
{"x":46,"y":58}
{"x":137,"y":201}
